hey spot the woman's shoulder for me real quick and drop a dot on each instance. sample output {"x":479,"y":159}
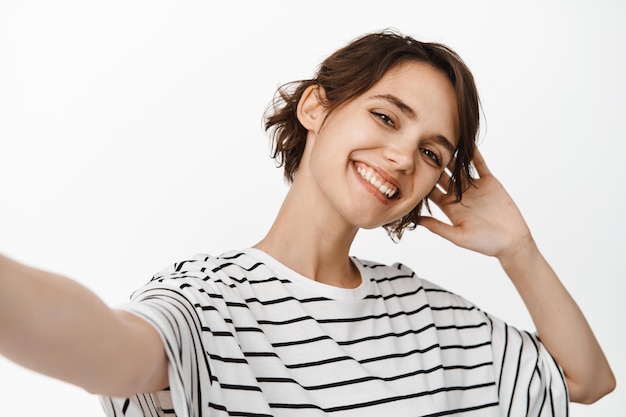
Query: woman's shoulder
{"x":204,"y":272}
{"x":206,"y":266}
{"x":402,"y":278}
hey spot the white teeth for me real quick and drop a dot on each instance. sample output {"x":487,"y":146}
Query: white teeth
{"x":369,"y":176}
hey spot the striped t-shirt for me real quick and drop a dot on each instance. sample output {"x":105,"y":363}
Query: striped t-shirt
{"x":247,"y":336}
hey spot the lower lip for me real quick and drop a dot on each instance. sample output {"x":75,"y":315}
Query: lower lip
{"x":369,"y":187}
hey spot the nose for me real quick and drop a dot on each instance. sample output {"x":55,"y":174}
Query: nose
{"x":402,"y":156}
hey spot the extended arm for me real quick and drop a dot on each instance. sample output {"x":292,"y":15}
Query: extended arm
{"x":56,"y":326}
{"x":489,"y":222}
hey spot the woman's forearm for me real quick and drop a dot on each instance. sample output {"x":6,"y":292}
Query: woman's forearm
{"x":57,"y":327}
{"x":560,"y":324}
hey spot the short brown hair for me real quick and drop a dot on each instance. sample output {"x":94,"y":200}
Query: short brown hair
{"x":354,"y":69}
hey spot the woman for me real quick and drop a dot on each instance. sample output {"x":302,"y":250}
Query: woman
{"x":294,"y":325}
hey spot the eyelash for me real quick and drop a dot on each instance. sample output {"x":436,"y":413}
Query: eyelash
{"x":432,"y":156}
{"x":384,"y":118}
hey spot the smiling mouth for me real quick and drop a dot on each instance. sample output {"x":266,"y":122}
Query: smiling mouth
{"x":385,"y":188}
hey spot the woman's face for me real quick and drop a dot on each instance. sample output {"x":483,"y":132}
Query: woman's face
{"x":373,"y":159}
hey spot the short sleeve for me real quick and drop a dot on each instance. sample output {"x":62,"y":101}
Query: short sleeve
{"x":530,"y":383}
{"x":168,"y":305}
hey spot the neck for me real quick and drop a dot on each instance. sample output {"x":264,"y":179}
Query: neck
{"x":306,"y":240}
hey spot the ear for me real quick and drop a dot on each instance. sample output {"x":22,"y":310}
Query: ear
{"x":310,"y":110}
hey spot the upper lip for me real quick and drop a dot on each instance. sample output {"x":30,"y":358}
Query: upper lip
{"x":382,"y":173}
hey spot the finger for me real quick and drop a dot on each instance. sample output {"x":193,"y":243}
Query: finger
{"x":440,"y":197}
{"x":436,"y":195}
{"x":437,"y":227}
{"x":480,"y":164}
{"x":445,"y":179}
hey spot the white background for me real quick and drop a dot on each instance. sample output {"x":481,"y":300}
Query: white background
{"x":130,"y":138}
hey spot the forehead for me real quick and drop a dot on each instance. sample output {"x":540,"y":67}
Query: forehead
{"x":418,"y":78}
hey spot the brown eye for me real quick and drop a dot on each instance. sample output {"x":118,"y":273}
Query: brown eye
{"x":432,"y":156}
{"x":383,"y":118}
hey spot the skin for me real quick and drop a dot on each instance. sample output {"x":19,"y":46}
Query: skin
{"x":329,"y":201}
{"x":404,"y":130}
{"x":57,"y":327}
{"x":489,"y":222}
{"x":327,"y":204}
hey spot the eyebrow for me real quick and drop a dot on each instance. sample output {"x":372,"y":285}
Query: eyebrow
{"x":401,"y":105}
{"x":442,"y":140}
{"x":409,"y":112}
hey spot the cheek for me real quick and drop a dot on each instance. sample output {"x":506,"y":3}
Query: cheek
{"x":324,"y":160}
{"x":347,"y":131}
{"x":426,"y":183}
{"x":331,"y":148}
